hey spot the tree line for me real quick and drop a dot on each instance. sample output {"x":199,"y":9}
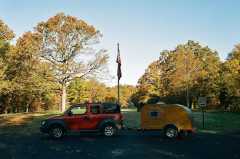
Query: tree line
{"x":57,"y":64}
{"x":91,"y":90}
{"x":188,"y":72}
{"x":54,"y":65}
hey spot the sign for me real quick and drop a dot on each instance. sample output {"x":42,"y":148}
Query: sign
{"x":202,"y":101}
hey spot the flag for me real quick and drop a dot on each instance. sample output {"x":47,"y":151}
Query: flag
{"x":119,"y":71}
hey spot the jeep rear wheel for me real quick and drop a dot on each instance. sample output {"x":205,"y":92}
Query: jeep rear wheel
{"x":56,"y":132}
{"x":109,"y":130}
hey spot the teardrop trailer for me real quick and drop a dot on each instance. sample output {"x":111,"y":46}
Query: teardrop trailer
{"x":173,"y":119}
{"x":108,"y":120}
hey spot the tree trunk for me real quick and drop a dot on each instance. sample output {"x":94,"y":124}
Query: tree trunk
{"x":27,"y":110}
{"x":63,"y":101}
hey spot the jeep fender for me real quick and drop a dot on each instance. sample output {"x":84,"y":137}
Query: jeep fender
{"x":106,"y":122}
{"x":57,"y":122}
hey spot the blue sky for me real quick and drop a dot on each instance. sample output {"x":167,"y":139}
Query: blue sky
{"x":142,"y":27}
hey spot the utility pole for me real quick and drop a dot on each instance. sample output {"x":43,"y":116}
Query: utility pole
{"x":187,"y":79}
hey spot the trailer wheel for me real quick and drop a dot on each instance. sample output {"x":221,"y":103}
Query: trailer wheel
{"x":171,"y":131}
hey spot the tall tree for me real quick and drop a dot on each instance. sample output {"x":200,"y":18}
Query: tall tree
{"x":66,"y":43}
{"x":188,"y":71}
{"x":6,"y":34}
{"x":230,"y":90}
{"x":27,"y":74}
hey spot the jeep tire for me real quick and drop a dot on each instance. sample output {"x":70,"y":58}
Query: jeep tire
{"x":109,"y":130}
{"x":56,"y":132}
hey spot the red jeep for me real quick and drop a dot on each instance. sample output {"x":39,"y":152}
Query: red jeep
{"x":105,"y":118}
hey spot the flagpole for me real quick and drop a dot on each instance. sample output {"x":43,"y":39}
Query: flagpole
{"x":118,"y":92}
{"x":119,"y":72}
{"x":118,"y":80}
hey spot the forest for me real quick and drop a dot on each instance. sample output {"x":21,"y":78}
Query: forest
{"x":191,"y":71}
{"x":56,"y":65}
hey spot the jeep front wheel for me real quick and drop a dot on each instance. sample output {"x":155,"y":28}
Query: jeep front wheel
{"x":109,"y":130}
{"x":56,"y":132}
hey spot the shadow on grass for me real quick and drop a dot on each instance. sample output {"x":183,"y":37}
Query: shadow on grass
{"x":22,"y":124}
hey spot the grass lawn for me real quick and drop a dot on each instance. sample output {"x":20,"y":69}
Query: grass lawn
{"x":27,"y":124}
{"x":218,"y":121}
{"x":22,"y":123}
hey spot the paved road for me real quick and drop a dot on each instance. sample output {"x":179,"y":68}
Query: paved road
{"x":129,"y":144}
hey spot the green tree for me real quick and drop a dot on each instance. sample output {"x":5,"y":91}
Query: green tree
{"x":230,"y":90}
{"x":6,"y":35}
{"x":126,"y":92}
{"x":80,"y":91}
{"x":66,"y":43}
{"x":27,"y":74}
{"x":180,"y":75}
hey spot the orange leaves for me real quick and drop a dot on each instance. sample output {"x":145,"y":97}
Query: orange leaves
{"x":5,"y":33}
{"x":65,"y":24}
{"x":188,"y":66}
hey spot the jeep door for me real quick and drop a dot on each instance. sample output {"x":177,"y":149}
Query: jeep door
{"x":77,"y":118}
{"x":95,"y":116}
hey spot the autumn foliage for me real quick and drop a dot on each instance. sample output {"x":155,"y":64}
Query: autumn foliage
{"x":193,"y":69}
{"x":57,"y":64}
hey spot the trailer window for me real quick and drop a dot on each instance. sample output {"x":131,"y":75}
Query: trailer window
{"x":154,"y":114}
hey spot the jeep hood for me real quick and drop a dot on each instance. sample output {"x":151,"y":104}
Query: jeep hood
{"x":57,"y":117}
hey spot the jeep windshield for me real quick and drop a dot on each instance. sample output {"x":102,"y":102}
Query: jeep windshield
{"x":111,"y":108}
